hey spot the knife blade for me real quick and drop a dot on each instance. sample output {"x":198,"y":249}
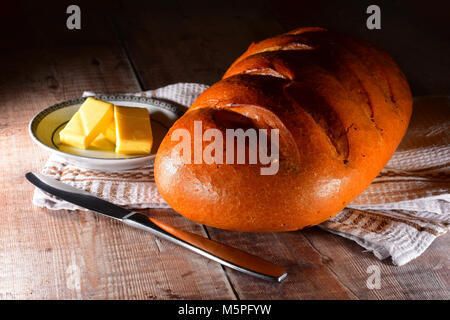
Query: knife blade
{"x":225,"y":255}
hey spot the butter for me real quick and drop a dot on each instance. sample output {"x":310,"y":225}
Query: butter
{"x":110,"y":132}
{"x":133,"y":130}
{"x":73,"y":133}
{"x":102,"y":143}
{"x":96,"y":116}
{"x":99,"y":125}
{"x":93,"y":118}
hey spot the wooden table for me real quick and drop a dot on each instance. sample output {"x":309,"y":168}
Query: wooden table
{"x":121,"y":48}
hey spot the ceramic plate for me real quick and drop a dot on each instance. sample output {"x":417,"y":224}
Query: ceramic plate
{"x":45,"y":127}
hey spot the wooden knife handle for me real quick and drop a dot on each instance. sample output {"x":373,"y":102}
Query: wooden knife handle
{"x":228,"y":256}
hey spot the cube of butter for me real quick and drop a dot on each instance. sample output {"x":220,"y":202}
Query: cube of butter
{"x":102,"y":143}
{"x":110,"y":132}
{"x":133,"y":130}
{"x":96,"y":116}
{"x":73,"y":133}
{"x":93,"y":118}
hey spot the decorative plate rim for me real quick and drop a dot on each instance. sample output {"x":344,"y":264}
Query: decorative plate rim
{"x":32,"y":127}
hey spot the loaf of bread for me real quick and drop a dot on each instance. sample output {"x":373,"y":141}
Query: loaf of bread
{"x":341,"y":108}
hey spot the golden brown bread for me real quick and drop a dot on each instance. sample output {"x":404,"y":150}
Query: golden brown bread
{"x":341,"y":108}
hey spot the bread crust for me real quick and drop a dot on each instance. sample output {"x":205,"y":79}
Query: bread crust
{"x":341,"y":107}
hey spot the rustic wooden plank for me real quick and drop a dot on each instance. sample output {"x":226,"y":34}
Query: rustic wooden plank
{"x":66,"y":255}
{"x":323,"y":266}
{"x":427,"y":277}
{"x":308,"y":274}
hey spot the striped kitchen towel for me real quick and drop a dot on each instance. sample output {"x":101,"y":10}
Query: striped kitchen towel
{"x":404,"y":209}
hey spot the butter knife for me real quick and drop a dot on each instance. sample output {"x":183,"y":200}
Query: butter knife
{"x":225,"y":255}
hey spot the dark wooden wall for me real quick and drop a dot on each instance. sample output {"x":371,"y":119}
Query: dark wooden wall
{"x":195,"y":41}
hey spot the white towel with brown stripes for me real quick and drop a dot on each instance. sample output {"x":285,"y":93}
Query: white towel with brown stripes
{"x":404,"y":209}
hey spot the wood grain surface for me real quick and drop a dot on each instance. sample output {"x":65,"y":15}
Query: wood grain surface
{"x":127,"y":48}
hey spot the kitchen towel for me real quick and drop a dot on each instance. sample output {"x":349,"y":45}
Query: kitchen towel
{"x":404,"y":209}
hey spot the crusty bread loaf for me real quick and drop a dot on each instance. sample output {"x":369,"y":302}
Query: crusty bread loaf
{"x":341,"y":108}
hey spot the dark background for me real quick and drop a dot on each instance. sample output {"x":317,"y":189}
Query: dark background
{"x":195,"y":41}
